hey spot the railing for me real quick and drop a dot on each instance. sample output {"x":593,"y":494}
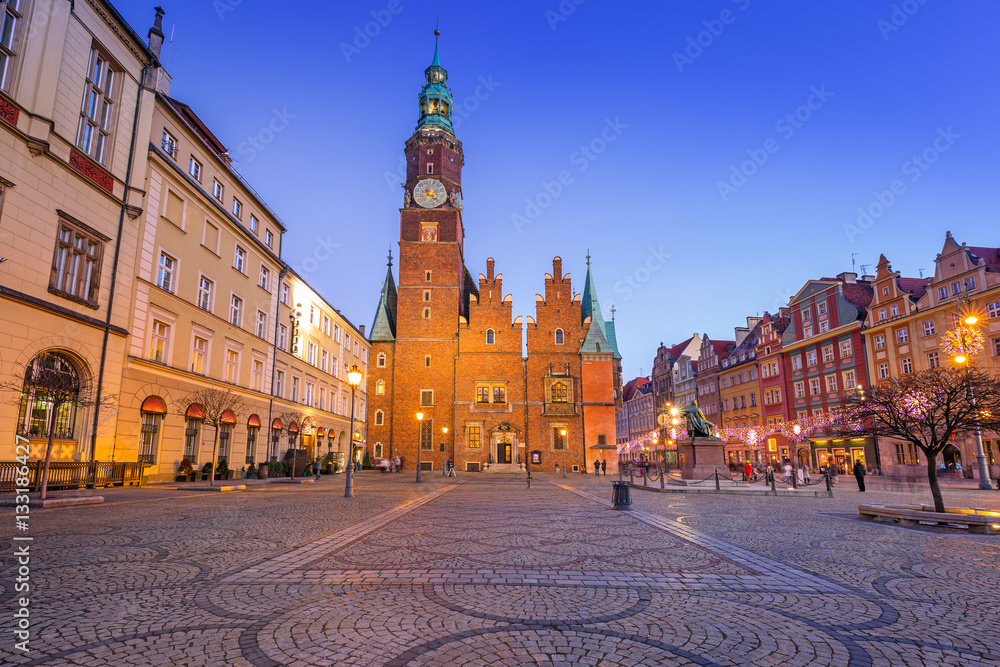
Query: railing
{"x":63,"y":475}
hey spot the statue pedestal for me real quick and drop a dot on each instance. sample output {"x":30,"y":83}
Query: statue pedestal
{"x":701,"y":457}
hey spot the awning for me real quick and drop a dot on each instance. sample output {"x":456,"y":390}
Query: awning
{"x":277,"y":424}
{"x":195,"y":411}
{"x":155,"y":405}
{"x":293,"y":428}
{"x":320,"y":432}
{"x":604,"y":446}
{"x":228,"y":417}
{"x":253,"y":421}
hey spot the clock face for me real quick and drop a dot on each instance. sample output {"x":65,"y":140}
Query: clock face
{"x":429,"y":193}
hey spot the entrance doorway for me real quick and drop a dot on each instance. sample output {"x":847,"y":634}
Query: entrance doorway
{"x":504,"y":451}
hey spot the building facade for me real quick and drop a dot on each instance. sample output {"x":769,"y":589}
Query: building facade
{"x":739,"y":392}
{"x":75,"y":98}
{"x":825,"y":363}
{"x":905,"y":323}
{"x":456,"y":385}
{"x":779,"y":445}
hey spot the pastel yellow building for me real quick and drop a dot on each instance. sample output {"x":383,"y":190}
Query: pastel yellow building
{"x":73,"y":95}
{"x":905,"y":323}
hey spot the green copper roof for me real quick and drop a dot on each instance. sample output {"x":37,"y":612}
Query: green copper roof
{"x":590,"y":307}
{"x":384,"y":326}
{"x":596,"y":342}
{"x":436,"y":104}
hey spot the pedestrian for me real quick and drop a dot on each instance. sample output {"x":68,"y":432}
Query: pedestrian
{"x":597,"y":467}
{"x":399,"y":464}
{"x":747,"y":472}
{"x":604,"y":470}
{"x":859,"y":474}
{"x":786,"y":468}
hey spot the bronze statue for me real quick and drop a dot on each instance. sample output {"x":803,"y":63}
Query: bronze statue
{"x":697,"y":425}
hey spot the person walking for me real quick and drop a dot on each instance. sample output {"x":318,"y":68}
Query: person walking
{"x":859,"y":474}
{"x":747,"y":472}
{"x":604,"y":470}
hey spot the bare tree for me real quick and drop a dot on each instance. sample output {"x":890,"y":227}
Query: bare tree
{"x":51,"y":382}
{"x":926,"y":409}
{"x":221,"y":406}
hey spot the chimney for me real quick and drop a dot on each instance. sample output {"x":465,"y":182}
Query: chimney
{"x":156,"y":34}
{"x":848,"y":277}
{"x":557,"y":273}
{"x":362,"y":330}
{"x":489,"y":269}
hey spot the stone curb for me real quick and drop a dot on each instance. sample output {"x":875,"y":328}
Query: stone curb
{"x":57,"y":502}
{"x":210,"y":489}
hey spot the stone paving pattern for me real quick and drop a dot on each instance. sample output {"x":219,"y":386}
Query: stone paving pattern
{"x":487,"y":572}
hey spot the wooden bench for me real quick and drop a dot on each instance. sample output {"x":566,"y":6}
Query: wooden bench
{"x":977,"y":520}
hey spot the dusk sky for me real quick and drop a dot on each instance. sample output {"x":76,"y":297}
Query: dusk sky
{"x":716,"y":154}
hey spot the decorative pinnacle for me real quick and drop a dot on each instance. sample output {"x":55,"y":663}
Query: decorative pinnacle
{"x":588,"y":256}
{"x":390,"y":257}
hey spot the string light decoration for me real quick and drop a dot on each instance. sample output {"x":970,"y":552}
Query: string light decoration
{"x":963,"y":342}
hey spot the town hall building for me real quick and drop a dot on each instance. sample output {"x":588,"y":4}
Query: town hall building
{"x":450,"y":380}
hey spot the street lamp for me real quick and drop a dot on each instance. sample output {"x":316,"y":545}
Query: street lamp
{"x":562,"y":432}
{"x":420,"y":428}
{"x":444,"y":432}
{"x":354,"y":379}
{"x":965,"y":341}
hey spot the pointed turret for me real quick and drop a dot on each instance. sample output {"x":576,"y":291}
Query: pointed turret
{"x":590,"y":307}
{"x":435,"y":98}
{"x":384,"y":326}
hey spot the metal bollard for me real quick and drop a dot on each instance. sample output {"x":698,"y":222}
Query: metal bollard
{"x":631,"y":474}
{"x":795,"y":478}
{"x":829,"y":482}
{"x":773,"y":490}
{"x":645,"y":480}
{"x":663,"y":477}
{"x":717,"y":488}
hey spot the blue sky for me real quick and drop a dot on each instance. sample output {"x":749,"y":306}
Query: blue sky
{"x":716,"y":153}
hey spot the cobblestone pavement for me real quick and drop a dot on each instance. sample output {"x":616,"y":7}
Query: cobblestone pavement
{"x":487,"y":572}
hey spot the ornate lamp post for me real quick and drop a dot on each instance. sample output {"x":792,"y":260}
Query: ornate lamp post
{"x":963,"y":342}
{"x":420,"y":428}
{"x":565,"y":443}
{"x":354,"y":379}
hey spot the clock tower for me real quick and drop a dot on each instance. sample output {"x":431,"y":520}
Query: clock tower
{"x":421,"y":345}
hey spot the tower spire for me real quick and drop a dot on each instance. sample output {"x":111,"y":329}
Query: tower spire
{"x":435,"y":98}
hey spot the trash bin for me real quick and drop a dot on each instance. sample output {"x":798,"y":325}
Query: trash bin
{"x":621,"y":495}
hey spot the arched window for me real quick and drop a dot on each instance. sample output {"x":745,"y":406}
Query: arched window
{"x":152,"y":411}
{"x":293,"y":434}
{"x":380,"y":387}
{"x":276,"y":427}
{"x":379,"y":418}
{"x":193,"y":419}
{"x":559,"y":336}
{"x":881,"y":314}
{"x":559,"y":393}
{"x":253,"y":428}
{"x":378,"y":450}
{"x":895,"y":310}
{"x":491,"y":337}
{"x":49,"y":398}
{"x":381,"y":360}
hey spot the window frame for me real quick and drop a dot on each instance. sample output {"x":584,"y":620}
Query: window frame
{"x":96,"y":127}
{"x":65,"y":258}
{"x":194,"y":168}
